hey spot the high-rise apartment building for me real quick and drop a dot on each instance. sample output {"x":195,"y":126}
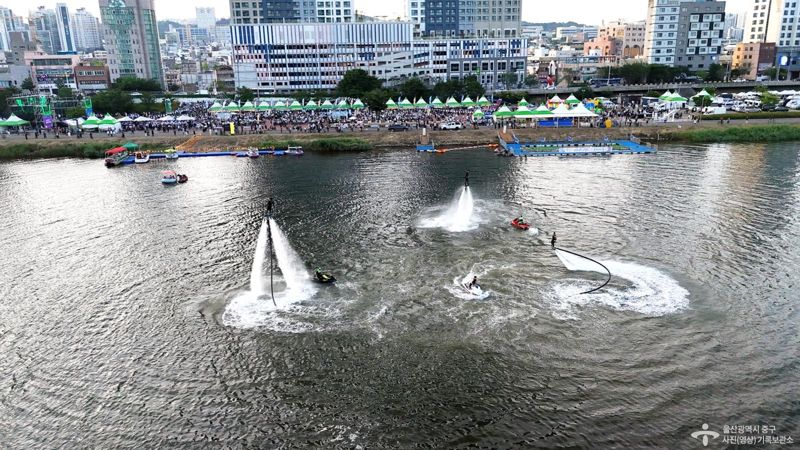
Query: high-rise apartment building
{"x":66,"y":34}
{"x":8,"y":24}
{"x":292,"y":11}
{"x":131,"y":39}
{"x":44,"y":27}
{"x":619,"y":39}
{"x":479,"y":18}
{"x":686,"y":33}
{"x":206,"y":18}
{"x":88,"y":34}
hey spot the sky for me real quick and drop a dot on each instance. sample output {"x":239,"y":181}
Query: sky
{"x":591,"y":12}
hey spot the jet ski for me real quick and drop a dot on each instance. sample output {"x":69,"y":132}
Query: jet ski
{"x":520,"y":225}
{"x":324,"y":278}
{"x":474,"y":290}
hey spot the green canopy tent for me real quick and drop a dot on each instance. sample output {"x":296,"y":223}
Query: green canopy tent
{"x":703,"y":93}
{"x":248,"y":107}
{"x":477,"y":115}
{"x":358,"y":104}
{"x":436,"y":103}
{"x":109,"y":120}
{"x":342,"y":104}
{"x":327,"y":105}
{"x":676,"y":98}
{"x":131,"y":147}
{"x":421,"y":103}
{"x":390,"y":104}
{"x":405,"y":103}
{"x":216,"y":107}
{"x":452,"y":103}
{"x":542,"y":111}
{"x":503,"y":113}
{"x":263,"y":106}
{"x":468,"y":102}
{"x":665,"y":95}
{"x":311,"y":105}
{"x":483,"y":101}
{"x":14,"y":121}
{"x":523,"y":102}
{"x":572,"y":100}
{"x":231,"y":107}
{"x":91,"y":122}
{"x":702,"y":98}
{"x":280,"y":106}
{"x":523,"y":112}
{"x":296,"y":106}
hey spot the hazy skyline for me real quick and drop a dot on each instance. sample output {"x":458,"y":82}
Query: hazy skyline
{"x":589,"y":12}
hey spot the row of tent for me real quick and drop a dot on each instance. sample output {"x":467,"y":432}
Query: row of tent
{"x":436,"y":103}
{"x":543,"y":112}
{"x":284,"y":106}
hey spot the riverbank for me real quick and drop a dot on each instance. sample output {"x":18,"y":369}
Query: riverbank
{"x":18,"y":148}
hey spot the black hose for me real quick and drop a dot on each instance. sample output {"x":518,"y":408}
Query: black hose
{"x":596,"y":262}
{"x":271,"y":287}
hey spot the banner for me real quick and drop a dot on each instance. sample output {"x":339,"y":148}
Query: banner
{"x":87,"y":105}
{"x":233,"y":129}
{"x":48,"y":121}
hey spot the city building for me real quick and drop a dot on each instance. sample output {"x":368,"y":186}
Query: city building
{"x":12,"y":75}
{"x":50,"y":71}
{"x":131,"y":39}
{"x":88,"y":34}
{"x":466,"y":18}
{"x":281,"y":58}
{"x":206,"y":18}
{"x":754,"y":57}
{"x":44,"y":26}
{"x":291,"y":11}
{"x":772,"y":21}
{"x":92,"y":76}
{"x":576,"y":34}
{"x":9,"y":23}
{"x":20,"y":43}
{"x":686,"y":33}
{"x":620,"y":39}
{"x":66,"y":34}
{"x":734,"y":28}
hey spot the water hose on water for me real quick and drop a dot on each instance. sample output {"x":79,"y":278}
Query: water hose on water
{"x":271,"y":287}
{"x":608,"y":280}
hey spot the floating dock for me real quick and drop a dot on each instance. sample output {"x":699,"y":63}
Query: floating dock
{"x":236,"y":153}
{"x":425,"y":144}
{"x":511,"y":146}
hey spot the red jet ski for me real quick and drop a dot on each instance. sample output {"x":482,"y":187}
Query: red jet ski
{"x":520,"y":225}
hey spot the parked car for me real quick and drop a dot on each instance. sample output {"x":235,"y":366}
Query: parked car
{"x":774,"y":108}
{"x":398,"y":127}
{"x":450,"y":126}
{"x":749,"y":109}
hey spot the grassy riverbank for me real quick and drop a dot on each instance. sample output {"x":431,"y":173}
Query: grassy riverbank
{"x":739,"y":134}
{"x":40,"y":150}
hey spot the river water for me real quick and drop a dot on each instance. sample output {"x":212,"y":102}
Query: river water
{"x":126,"y":318}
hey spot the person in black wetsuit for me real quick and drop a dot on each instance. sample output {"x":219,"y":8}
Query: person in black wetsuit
{"x":553,"y":241}
{"x":270,"y":204}
{"x":473,"y":283}
{"x":466,"y":179}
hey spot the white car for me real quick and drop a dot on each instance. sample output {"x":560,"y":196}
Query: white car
{"x":450,"y":126}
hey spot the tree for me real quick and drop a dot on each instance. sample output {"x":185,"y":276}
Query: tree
{"x":27,"y":84}
{"x":737,"y":73}
{"x":767,"y":99}
{"x":130,"y":84}
{"x":414,"y":88}
{"x":584,"y":93}
{"x":635,"y":73}
{"x":64,"y":92}
{"x":356,"y":82}
{"x":74,"y":112}
{"x":774,"y":74}
{"x":172,"y":87}
{"x":509,"y":79}
{"x":245,"y":94}
{"x":716,"y":72}
{"x":112,"y":101}
{"x":376,"y":99}
{"x":450,"y":88}
{"x":147,"y":103}
{"x":473,"y":87}
{"x":532,"y":81}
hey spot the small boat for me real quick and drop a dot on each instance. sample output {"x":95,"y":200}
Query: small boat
{"x":169,"y":177}
{"x":141,"y":157}
{"x":516,"y":223}
{"x":171,"y":154}
{"x":253,"y":153}
{"x":474,"y":290}
{"x":116,"y":156}
{"x":297,"y":151}
{"x":182,"y":178}
{"x":324,"y":278}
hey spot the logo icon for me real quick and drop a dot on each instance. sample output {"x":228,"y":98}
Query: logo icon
{"x":704,"y":435}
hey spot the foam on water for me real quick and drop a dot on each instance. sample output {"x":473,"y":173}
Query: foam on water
{"x":459,"y":290}
{"x":458,"y":217}
{"x":257,"y":272}
{"x":651,"y":291}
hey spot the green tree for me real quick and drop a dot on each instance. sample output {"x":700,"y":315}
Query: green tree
{"x":634,"y":73}
{"x":584,"y":93}
{"x":531,"y":81}
{"x":147,"y":103}
{"x":65,"y":92}
{"x":5,"y":94}
{"x":767,"y":99}
{"x":509,"y":79}
{"x":75,"y":112}
{"x":113,"y":101}
{"x":737,"y":73}
{"x":716,"y":72}
{"x":473,"y":87}
{"x":414,"y":88}
{"x":130,"y":84}
{"x":376,"y":99}
{"x":356,"y":82}
{"x":245,"y":94}
{"x":27,"y":84}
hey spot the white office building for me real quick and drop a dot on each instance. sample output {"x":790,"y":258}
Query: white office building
{"x":282,"y":58}
{"x":686,"y":33}
{"x":206,"y":18}
{"x":88,"y":34}
{"x":66,"y":34}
